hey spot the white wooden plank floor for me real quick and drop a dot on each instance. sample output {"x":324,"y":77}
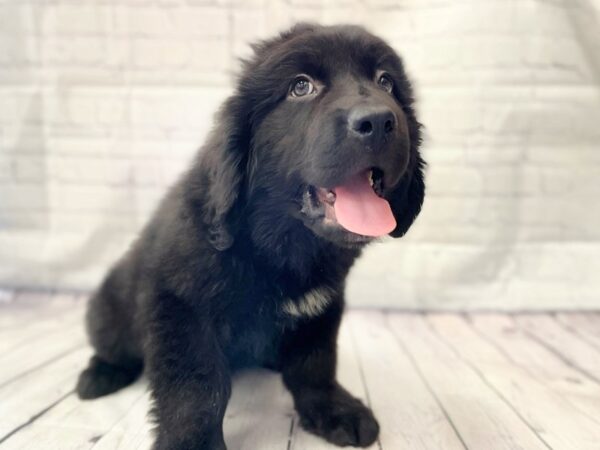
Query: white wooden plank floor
{"x":435,"y":381}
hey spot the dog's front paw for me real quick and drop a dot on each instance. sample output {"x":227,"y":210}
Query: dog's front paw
{"x":338,"y":417}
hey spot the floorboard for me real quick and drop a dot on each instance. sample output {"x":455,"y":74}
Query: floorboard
{"x":564,"y":343}
{"x":435,"y":381}
{"x":408,"y":412}
{"x":584,"y":325}
{"x":507,"y":337}
{"x":557,"y":423}
{"x":498,"y":427}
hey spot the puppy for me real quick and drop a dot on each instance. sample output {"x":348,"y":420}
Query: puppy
{"x":244,"y":262}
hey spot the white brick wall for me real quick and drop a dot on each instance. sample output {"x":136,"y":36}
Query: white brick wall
{"x":103,"y":103}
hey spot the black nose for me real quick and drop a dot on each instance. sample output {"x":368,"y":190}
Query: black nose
{"x":371,"y":124}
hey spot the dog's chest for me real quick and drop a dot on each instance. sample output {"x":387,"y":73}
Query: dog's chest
{"x":311,"y":303}
{"x":255,"y":333}
{"x":254,"y":339}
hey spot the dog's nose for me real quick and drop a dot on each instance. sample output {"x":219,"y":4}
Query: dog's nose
{"x":371,"y":124}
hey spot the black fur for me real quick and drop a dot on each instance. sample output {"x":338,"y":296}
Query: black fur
{"x":207,"y":287}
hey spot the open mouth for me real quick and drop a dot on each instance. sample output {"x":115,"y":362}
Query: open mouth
{"x":357,"y":205}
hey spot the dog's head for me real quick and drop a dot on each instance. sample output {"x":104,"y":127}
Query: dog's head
{"x":321,"y":134}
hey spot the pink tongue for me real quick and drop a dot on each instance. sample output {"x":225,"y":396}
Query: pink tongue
{"x":360,"y":210}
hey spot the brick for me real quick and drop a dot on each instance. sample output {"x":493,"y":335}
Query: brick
{"x":88,"y":50}
{"x":172,"y":170}
{"x":540,"y":211}
{"x":70,"y":18}
{"x":150,"y":111}
{"x":209,"y":55}
{"x":30,"y":169}
{"x":147,"y":199}
{"x":551,"y":19}
{"x":112,"y":109}
{"x":25,"y":220}
{"x":351,"y":13}
{"x":57,"y":50}
{"x":77,"y":145}
{"x":147,"y":172}
{"x":121,"y":17}
{"x":149,"y":21}
{"x":176,"y":56}
{"x":453,"y":180}
{"x":85,"y":221}
{"x":562,"y":180}
{"x":392,"y":24}
{"x":512,"y":180}
{"x":19,"y":51}
{"x":10,"y":107}
{"x":211,"y":23}
{"x":450,"y":155}
{"x":535,"y":267}
{"x":25,"y":139}
{"x":145,"y":53}
{"x":244,"y":34}
{"x":118,"y":52}
{"x":89,"y":198}
{"x":6,"y":167}
{"x":77,"y":170}
{"x":237,"y":4}
{"x":81,"y":110}
{"x":23,"y":197}
{"x":146,"y":148}
{"x":483,"y":151}
{"x":17,"y":19}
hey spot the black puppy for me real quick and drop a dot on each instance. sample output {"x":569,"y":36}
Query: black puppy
{"x":245,"y":260}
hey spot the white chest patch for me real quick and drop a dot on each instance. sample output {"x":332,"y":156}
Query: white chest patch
{"x":313,"y":303}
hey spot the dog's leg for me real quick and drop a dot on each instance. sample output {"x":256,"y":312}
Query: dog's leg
{"x":118,"y":360}
{"x":325,"y":408}
{"x":189,"y":379}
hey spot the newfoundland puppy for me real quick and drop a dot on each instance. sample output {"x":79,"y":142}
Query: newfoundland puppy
{"x":244,"y":262}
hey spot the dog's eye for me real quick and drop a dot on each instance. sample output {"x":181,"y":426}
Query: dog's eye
{"x":301,"y":87}
{"x":386,"y":83}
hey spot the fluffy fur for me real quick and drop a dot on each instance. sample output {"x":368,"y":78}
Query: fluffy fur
{"x":239,"y":266}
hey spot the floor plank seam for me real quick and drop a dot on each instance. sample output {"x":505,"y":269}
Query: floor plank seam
{"x":35,"y":417}
{"x":574,"y":332}
{"x":42,"y":365}
{"x":484,"y":379}
{"x":291,"y":434}
{"x":499,"y":349}
{"x":48,"y":333}
{"x":422,"y":377}
{"x":561,"y":356}
{"x":112,"y":427}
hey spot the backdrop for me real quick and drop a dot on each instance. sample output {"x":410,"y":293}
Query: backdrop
{"x":103,"y":103}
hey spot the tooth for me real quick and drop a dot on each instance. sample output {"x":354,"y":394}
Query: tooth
{"x":371,"y":177}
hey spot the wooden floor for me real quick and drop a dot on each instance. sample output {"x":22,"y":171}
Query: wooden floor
{"x":435,"y":381}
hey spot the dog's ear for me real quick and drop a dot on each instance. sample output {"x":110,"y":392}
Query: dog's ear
{"x":407,"y":198}
{"x":219,"y":174}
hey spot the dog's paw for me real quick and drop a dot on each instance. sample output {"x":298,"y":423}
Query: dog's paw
{"x":102,"y":378}
{"x":339,"y":418}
